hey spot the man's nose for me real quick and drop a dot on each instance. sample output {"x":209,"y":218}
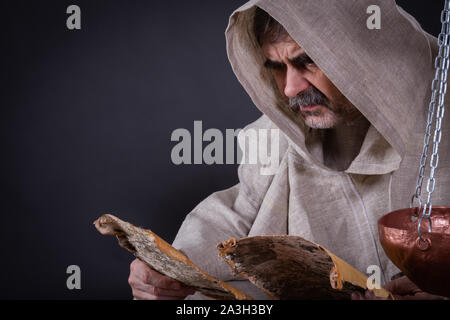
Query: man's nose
{"x":295,"y":82}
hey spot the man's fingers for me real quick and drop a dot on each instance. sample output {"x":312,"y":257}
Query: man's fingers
{"x":144,"y":279}
{"x":140,"y":270}
{"x":427,"y":296}
{"x":152,"y":277}
{"x":357,"y":296}
{"x":419,"y":296}
{"x":367,"y":295}
{"x":161,"y":281}
{"x":136,"y":283}
{"x":402,"y":287}
{"x":142,"y":295}
{"x":408,"y":297}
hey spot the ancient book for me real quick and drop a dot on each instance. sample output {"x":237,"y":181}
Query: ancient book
{"x":283,"y":266}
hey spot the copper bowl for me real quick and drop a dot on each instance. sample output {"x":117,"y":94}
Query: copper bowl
{"x":425,"y":262}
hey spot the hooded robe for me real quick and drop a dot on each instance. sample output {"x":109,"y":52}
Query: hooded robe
{"x":386,"y":73}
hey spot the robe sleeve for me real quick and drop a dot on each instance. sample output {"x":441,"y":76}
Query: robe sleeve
{"x":223,"y":215}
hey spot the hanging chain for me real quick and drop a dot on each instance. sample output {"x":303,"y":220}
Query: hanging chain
{"x":439,"y":89}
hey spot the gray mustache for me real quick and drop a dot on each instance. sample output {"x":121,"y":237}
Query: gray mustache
{"x":308,"y":97}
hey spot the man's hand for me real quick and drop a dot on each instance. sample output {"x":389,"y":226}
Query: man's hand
{"x":402,"y":289}
{"x":148,"y":284}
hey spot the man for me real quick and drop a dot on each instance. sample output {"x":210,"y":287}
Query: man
{"x":351,"y":105}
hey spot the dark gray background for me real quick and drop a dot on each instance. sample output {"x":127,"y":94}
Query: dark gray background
{"x":86,"y":119}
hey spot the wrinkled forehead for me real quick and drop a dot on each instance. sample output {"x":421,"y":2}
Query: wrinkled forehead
{"x":285,"y":47}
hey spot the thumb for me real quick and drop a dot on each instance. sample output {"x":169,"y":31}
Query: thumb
{"x":402,"y":286}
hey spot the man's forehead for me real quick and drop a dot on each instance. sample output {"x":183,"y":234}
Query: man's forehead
{"x":285,"y":47}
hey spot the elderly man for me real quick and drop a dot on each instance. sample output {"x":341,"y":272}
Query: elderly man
{"x":350,"y":103}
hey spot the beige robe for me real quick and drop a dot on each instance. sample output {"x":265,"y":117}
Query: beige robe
{"x":387,"y":75}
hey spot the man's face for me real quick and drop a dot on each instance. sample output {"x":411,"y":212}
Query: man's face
{"x":305,"y":86}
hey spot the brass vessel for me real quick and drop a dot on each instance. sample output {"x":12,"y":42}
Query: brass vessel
{"x":426,"y":261}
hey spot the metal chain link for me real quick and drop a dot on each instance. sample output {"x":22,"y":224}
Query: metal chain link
{"x":439,"y":89}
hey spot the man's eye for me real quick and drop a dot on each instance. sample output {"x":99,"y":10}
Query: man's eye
{"x":303,"y":65}
{"x":279,"y":67}
{"x":274,"y":65}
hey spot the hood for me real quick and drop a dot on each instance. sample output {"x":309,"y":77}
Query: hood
{"x":386,"y":73}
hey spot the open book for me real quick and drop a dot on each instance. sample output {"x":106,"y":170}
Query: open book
{"x":283,"y":266}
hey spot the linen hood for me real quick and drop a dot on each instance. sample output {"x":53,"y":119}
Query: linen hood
{"x":386,"y":73}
